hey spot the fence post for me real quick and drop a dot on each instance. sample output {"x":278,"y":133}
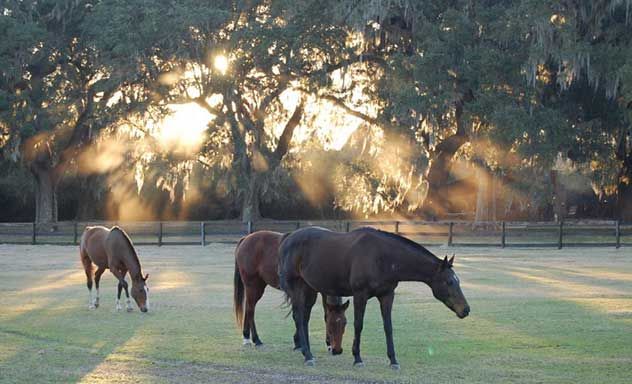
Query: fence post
{"x":249,"y":227}
{"x":503,"y":235}
{"x":203,"y":233}
{"x":397,"y":227}
{"x":450,"y":234}
{"x":618,"y":233}
{"x":298,"y":224}
{"x":348,"y":226}
{"x":160,"y":234}
{"x":75,"y":232}
{"x":561,"y":234}
{"x":33,"y":240}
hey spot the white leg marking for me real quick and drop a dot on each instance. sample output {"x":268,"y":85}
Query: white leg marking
{"x":96,"y":299}
{"x":129,"y":305}
{"x":147,"y":297}
{"x":118,"y":305}
{"x":247,"y":341}
{"x":91,"y":302}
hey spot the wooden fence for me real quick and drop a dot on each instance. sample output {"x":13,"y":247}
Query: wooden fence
{"x":450,"y":233}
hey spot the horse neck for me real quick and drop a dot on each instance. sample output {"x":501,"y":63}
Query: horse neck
{"x":133,"y":266}
{"x":413,"y":265}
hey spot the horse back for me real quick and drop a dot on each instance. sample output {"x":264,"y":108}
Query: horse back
{"x":119,"y":249}
{"x":326,"y":260}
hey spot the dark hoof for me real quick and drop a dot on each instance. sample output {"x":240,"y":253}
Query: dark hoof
{"x":310,"y":363}
{"x":358,"y":364}
{"x":96,"y":305}
{"x":395,"y":367}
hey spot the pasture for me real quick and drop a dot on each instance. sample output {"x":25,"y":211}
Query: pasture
{"x":538,"y":316}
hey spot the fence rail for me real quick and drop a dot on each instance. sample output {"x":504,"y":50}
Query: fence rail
{"x":451,"y":233}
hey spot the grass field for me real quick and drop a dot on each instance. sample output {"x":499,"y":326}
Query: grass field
{"x":538,"y":316}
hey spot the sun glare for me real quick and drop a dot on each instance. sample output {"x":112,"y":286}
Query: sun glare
{"x":184,"y":128}
{"x":221,"y":63}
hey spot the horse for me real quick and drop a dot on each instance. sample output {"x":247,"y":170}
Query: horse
{"x":256,"y":266}
{"x":113,"y":249}
{"x":363,"y":263}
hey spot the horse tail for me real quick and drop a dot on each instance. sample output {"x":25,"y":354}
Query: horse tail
{"x":85,"y":259}
{"x":238,"y":291}
{"x":238,"y":298}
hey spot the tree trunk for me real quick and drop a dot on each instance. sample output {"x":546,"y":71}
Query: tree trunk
{"x":482,"y":196}
{"x":250,"y":207}
{"x":441,"y":163}
{"x":624,"y":186}
{"x":45,"y":195}
{"x":89,"y":204}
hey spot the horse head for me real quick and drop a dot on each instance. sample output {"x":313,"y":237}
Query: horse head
{"x":140,"y":293}
{"x":336,"y":323}
{"x":446,"y":288}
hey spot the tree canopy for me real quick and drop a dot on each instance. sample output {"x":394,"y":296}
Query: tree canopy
{"x":419,"y":108}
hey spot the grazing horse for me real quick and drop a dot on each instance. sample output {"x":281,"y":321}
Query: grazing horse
{"x":256,"y":266}
{"x":363,"y":263}
{"x":113,"y":249}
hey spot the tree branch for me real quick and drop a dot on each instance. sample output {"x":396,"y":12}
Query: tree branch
{"x":286,"y":137}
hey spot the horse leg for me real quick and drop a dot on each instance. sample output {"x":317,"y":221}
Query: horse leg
{"x":386,"y":306}
{"x":298,"y":313}
{"x":128,"y":302}
{"x":310,"y":299}
{"x":327,"y":341}
{"x":118,"y":295}
{"x":253,"y":294}
{"x":97,"y":280}
{"x":359,"y":305}
{"x":87,"y":267}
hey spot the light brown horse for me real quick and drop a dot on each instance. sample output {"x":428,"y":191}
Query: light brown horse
{"x":113,"y":249}
{"x":256,"y":260}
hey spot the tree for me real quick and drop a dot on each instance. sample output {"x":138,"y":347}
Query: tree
{"x":237,"y":60}
{"x":54,"y":96}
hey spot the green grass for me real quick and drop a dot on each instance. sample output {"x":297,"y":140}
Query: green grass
{"x":538,"y":316}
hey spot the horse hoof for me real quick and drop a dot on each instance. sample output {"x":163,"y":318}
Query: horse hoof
{"x":246,"y":343}
{"x":395,"y":367}
{"x":310,"y":363}
{"x":92,"y":306}
{"x":259,"y":345}
{"x":358,"y":364}
{"x":96,"y":305}
{"x":130,"y":309}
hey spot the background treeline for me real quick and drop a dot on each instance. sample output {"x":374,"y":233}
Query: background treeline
{"x":487,"y":109}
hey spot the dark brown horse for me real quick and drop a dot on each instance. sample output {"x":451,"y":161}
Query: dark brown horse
{"x":113,"y":249}
{"x":256,"y":266}
{"x":363,"y":263}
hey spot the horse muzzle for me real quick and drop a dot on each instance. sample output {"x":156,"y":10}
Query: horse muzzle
{"x":464,"y":313}
{"x":143,"y":309}
{"x":336,"y":351}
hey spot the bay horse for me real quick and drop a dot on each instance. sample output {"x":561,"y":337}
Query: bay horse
{"x":363,"y":263}
{"x":113,"y":249}
{"x":256,"y":266}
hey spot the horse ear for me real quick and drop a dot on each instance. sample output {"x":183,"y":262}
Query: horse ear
{"x":445,"y":264}
{"x":451,"y":261}
{"x":345,"y":305}
{"x":146,"y":277}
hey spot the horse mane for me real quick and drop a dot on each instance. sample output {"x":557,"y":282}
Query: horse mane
{"x":401,"y":239}
{"x":129,"y":242}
